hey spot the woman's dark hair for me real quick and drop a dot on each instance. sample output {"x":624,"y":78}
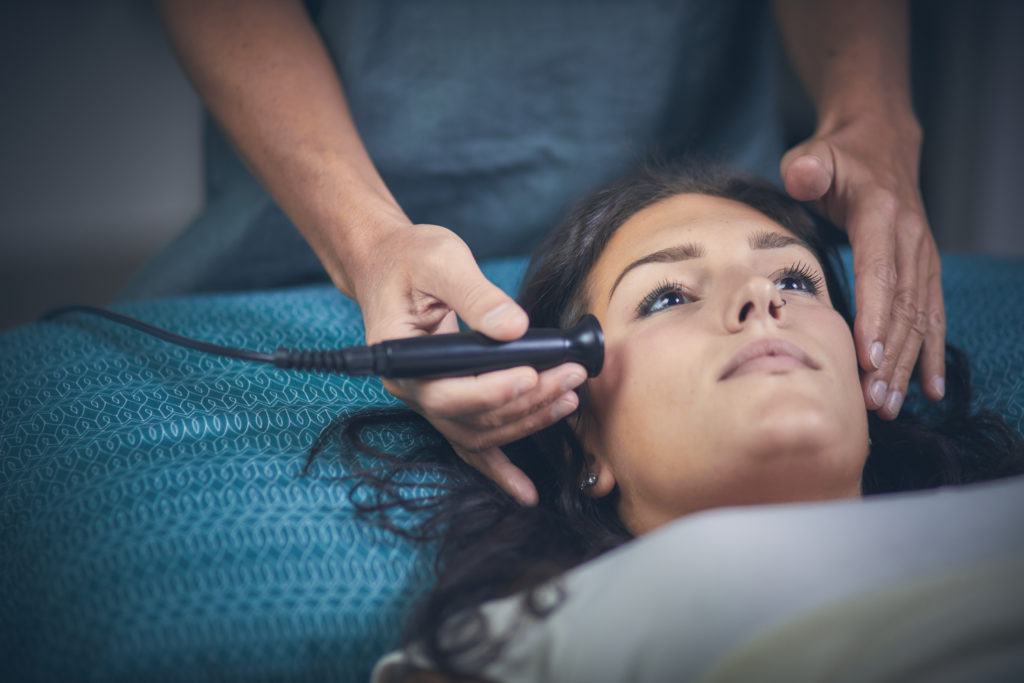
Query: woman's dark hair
{"x":490,"y":546}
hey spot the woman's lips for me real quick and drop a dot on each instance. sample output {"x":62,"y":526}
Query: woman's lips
{"x":765,"y":355}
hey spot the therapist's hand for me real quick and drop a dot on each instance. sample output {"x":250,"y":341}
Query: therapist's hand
{"x":418,"y":280}
{"x":863,"y":176}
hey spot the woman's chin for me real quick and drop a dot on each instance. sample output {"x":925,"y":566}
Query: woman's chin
{"x":794,"y":428}
{"x":790,"y":406}
{"x":796,"y":423}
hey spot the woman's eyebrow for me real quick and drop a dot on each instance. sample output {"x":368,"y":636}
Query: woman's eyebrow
{"x":762,"y":239}
{"x":680,"y":252}
{"x":769,"y":239}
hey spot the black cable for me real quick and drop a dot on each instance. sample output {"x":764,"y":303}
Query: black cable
{"x":353,"y":360}
{"x":188,"y":342}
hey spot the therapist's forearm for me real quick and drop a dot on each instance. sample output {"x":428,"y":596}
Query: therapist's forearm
{"x":852,"y":57}
{"x":264,"y":73}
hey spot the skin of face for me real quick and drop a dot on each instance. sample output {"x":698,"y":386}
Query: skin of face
{"x":663,"y":423}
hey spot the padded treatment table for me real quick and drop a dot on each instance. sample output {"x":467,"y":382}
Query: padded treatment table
{"x":153,"y":521}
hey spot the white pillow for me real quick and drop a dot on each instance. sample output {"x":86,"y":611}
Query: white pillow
{"x":672,"y":605}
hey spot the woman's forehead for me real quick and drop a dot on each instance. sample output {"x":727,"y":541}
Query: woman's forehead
{"x":694,"y":225}
{"x":711,"y":219}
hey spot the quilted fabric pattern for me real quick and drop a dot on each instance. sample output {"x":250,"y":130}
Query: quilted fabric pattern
{"x":154,"y":526}
{"x":154,"y":523}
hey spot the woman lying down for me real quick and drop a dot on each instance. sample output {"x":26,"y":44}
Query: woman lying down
{"x":730,"y":381}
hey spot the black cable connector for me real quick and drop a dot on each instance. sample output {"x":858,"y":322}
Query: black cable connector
{"x":353,"y":360}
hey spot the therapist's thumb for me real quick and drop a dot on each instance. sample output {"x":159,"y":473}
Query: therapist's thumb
{"x":481,"y":304}
{"x":807,"y":170}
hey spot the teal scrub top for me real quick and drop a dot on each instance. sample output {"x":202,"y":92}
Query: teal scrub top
{"x":492,"y":118}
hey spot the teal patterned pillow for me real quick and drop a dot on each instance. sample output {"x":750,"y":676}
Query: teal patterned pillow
{"x":154,"y":523}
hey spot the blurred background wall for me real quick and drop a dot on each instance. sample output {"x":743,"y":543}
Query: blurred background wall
{"x":100,"y":160}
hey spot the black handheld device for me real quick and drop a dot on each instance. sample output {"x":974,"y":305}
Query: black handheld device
{"x":468,"y":353}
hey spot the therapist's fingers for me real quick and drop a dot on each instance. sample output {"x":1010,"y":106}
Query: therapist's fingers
{"x":552,"y":385}
{"x":925,"y":343}
{"x":439,"y":398}
{"x":907,"y":328}
{"x":497,"y":424}
{"x":495,"y":465}
{"x":470,"y":439}
{"x":453,"y":397}
{"x":877,"y":281}
{"x":454,"y":277}
{"x":901,"y":340}
{"x":931,"y":369}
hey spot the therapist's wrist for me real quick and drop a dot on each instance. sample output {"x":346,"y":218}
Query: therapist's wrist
{"x":354,"y":244}
{"x":344,"y":211}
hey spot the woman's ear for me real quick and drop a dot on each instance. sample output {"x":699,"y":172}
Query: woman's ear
{"x":599,"y":479}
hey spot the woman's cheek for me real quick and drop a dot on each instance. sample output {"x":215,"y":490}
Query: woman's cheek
{"x":839,"y":345}
{"x":659,"y":366}
{"x":843,"y":344}
{"x":625,"y":388}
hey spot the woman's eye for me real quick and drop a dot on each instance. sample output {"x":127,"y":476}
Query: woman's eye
{"x":661,"y":298}
{"x":793,"y":283}
{"x":799,"y":278}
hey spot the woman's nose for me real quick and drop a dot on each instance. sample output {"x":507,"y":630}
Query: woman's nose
{"x":753,"y":299}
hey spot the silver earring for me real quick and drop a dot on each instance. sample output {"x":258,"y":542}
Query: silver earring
{"x":589,"y":481}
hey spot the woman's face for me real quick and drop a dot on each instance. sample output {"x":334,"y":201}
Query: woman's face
{"x":729,"y":378}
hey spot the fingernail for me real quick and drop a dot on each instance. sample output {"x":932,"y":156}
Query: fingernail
{"x":875,"y":354}
{"x":522,"y":386}
{"x":563,"y":407}
{"x":573,"y":381}
{"x":893,"y":403}
{"x":878,"y":390}
{"x":939,"y":384}
{"x":495,"y":316}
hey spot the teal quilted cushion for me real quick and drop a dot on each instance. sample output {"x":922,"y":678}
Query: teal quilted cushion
{"x":154,"y":525}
